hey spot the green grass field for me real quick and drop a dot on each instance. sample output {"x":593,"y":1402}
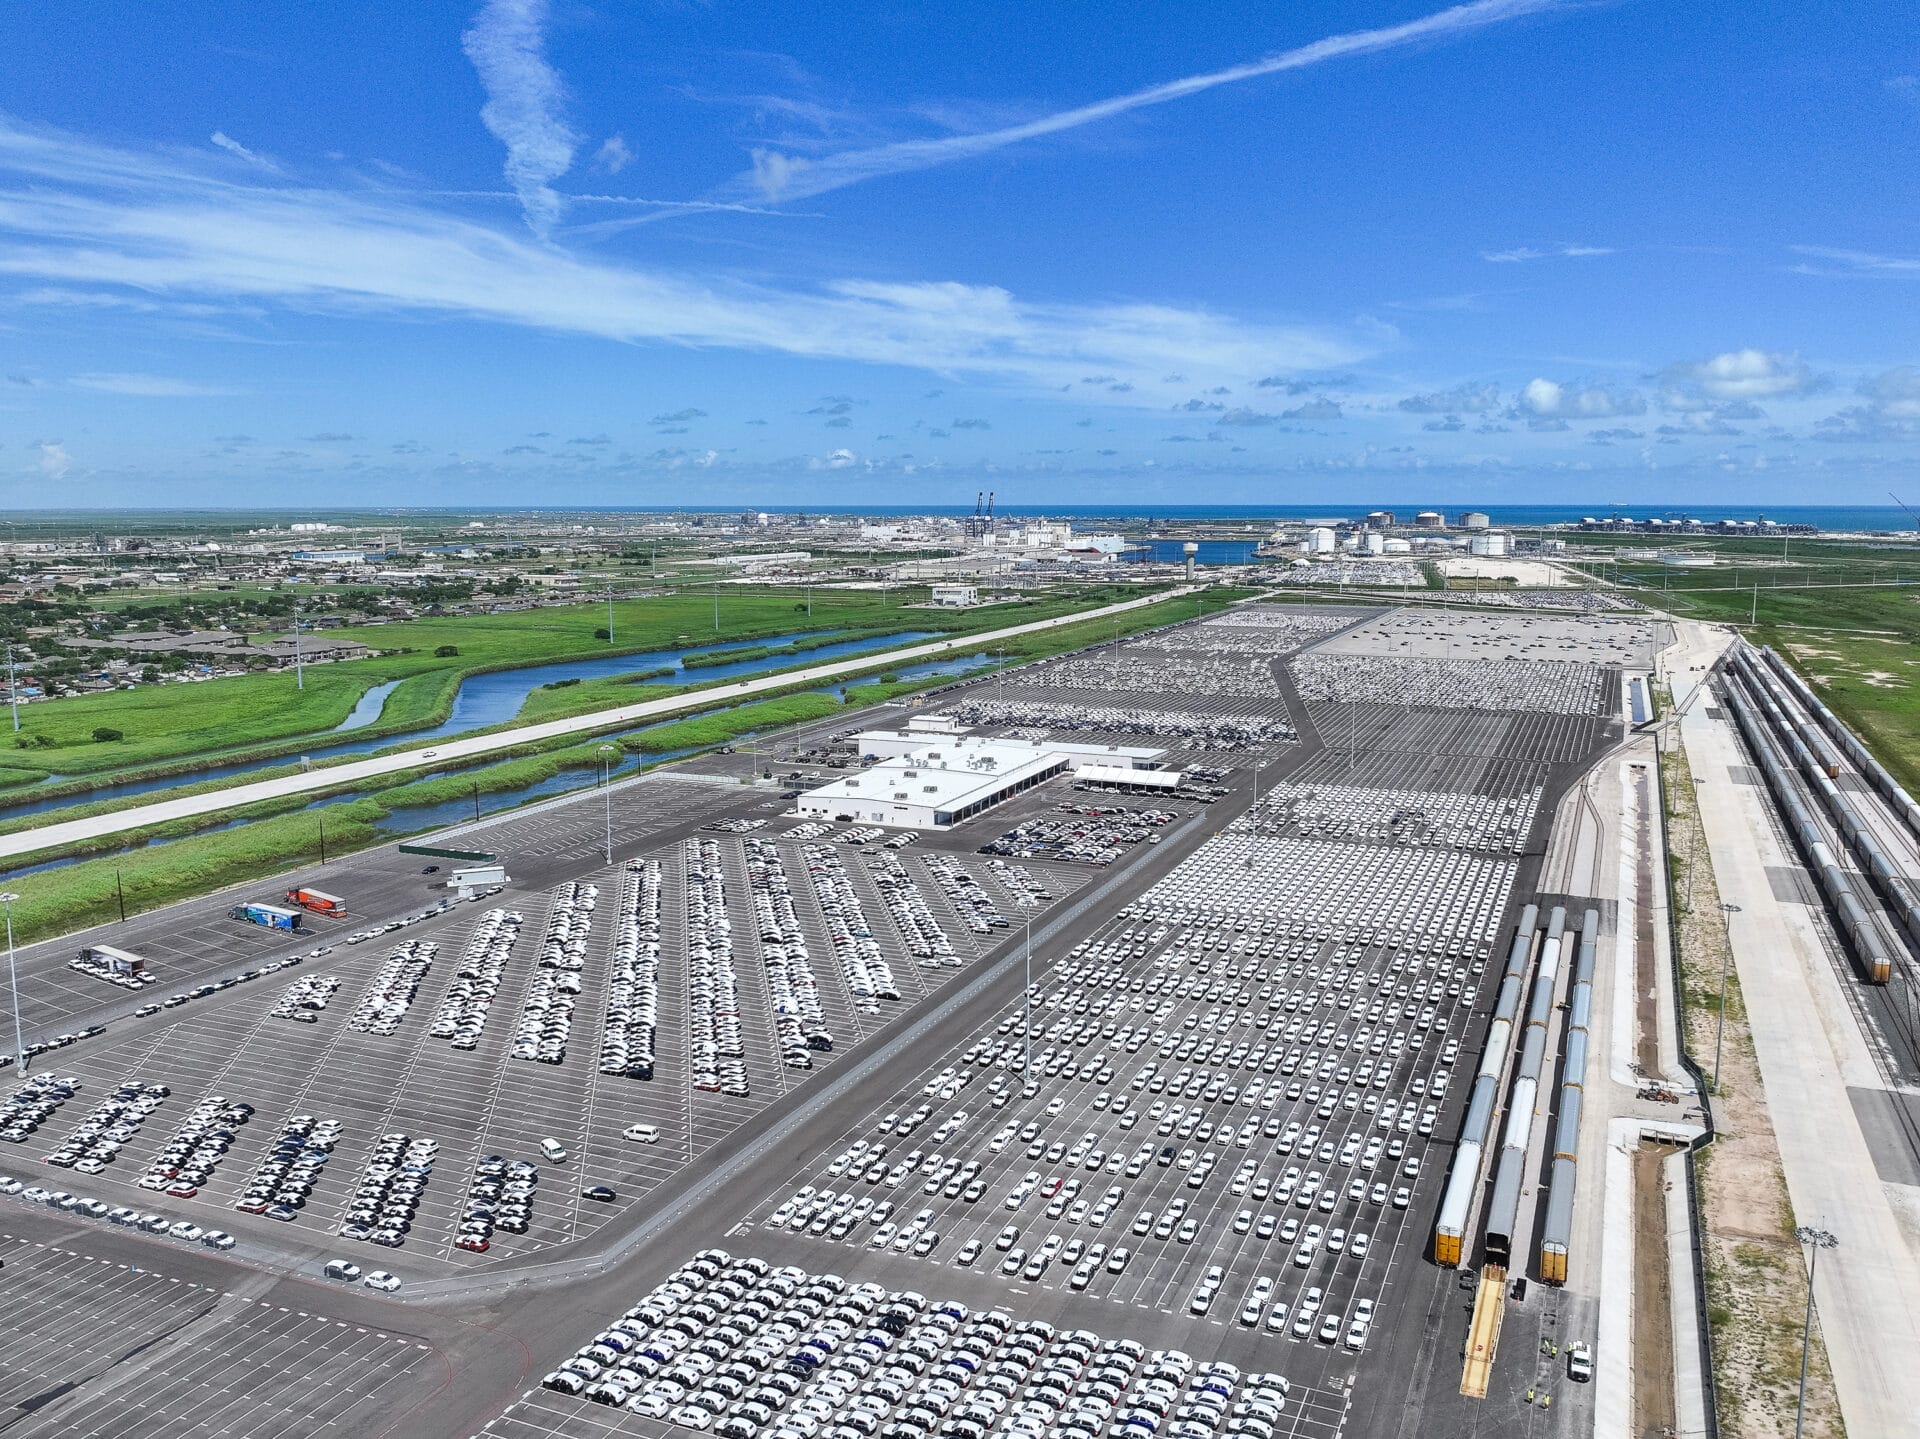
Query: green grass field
{"x":280,"y":835}
{"x":223,"y":716}
{"x":1829,"y":610}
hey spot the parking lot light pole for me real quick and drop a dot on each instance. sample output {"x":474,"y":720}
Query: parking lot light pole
{"x":1815,"y":1240}
{"x":13,"y":979}
{"x":1728,"y":911}
{"x":605,"y":750}
{"x":1026,"y":1068}
{"x":1253,"y":814}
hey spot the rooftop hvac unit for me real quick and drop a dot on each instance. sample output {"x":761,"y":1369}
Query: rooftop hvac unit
{"x":927,"y":789}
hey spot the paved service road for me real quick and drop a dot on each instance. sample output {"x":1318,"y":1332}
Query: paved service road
{"x":70,"y":831}
{"x":1869,"y":1288}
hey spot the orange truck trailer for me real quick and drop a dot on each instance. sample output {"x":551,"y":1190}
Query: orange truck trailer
{"x":317,"y":900}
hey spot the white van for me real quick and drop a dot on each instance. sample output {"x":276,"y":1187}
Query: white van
{"x":554,"y":1151}
{"x":642,"y":1133}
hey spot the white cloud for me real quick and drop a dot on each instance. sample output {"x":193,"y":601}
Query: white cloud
{"x":1521,"y":254}
{"x":1548,"y":400}
{"x":54,"y":462}
{"x":1736,"y":375}
{"x":1891,"y":409}
{"x":147,"y":386}
{"x":835,"y":460}
{"x":614,"y":154}
{"x":778,"y":176}
{"x":524,"y":96}
{"x":74,"y":213}
{"x":1468,"y":399}
{"x":234,"y":147}
{"x":1861,"y":263}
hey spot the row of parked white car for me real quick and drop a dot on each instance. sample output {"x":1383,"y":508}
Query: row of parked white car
{"x":394,"y":984}
{"x":868,"y":975}
{"x":100,"y":969}
{"x":546,"y":1014}
{"x":716,"y":1050}
{"x":969,"y":898}
{"x":927,"y":940}
{"x":88,"y":1208}
{"x":749,"y":1351}
{"x":97,"y":1140}
{"x":303,"y":1000}
{"x":627,"y":1045}
{"x":462,"y":1015}
{"x":188,"y":1159}
{"x":799,"y":1024}
{"x":33,"y":1104}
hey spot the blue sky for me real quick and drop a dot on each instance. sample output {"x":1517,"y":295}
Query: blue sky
{"x":685,"y":253}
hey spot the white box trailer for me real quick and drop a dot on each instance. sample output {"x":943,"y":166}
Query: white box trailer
{"x":477,"y":876}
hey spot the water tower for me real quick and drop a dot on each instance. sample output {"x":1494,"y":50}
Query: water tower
{"x":1190,"y":549}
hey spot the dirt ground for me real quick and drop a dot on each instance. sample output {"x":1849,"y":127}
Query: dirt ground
{"x":1654,"y":1410}
{"x":1756,"y":1274}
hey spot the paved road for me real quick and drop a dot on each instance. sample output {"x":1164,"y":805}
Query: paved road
{"x":1869,"y":1288}
{"x":69,"y":831}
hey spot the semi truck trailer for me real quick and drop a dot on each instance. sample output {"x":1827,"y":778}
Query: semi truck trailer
{"x":272,"y":916}
{"x":317,"y":900}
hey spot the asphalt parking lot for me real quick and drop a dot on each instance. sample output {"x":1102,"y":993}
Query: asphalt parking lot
{"x":1257,"y":1070}
{"x":1313,"y":970}
{"x":195,"y":941}
{"x":485,"y":1101}
{"x":92,"y":1347}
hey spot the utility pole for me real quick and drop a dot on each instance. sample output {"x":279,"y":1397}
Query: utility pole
{"x":476,"y":799}
{"x":323,"y":839}
{"x":13,"y":978}
{"x":609,"y":612}
{"x":716,"y":607}
{"x":299,"y":670}
{"x":1815,"y":1240}
{"x":13,"y":686}
{"x":1726,"y":955}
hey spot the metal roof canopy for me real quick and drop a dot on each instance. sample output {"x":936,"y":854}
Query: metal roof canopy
{"x":1136,"y":778}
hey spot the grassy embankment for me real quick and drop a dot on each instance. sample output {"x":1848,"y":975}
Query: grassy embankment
{"x":560,"y":700}
{"x":171,"y":722}
{"x":279,"y":835}
{"x":174,"y":729}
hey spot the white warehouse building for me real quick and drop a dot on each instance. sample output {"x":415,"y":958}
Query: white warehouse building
{"x":930,"y":780}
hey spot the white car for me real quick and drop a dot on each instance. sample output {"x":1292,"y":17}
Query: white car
{"x":1580,"y":1363}
{"x":381,"y":1280}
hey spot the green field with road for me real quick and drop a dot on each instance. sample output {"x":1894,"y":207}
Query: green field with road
{"x":172,"y":723}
